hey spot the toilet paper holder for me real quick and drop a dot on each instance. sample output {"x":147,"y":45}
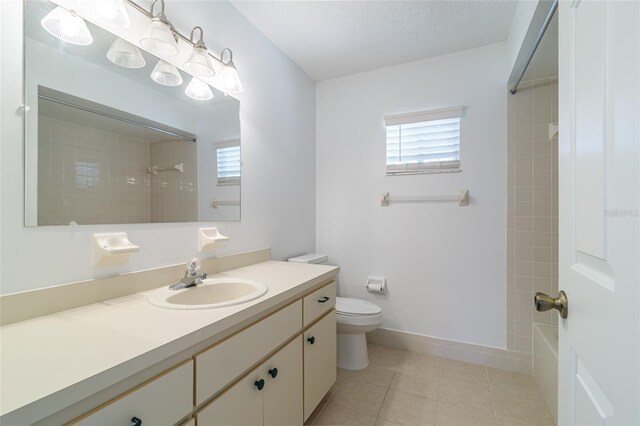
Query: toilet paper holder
{"x":376,"y":284}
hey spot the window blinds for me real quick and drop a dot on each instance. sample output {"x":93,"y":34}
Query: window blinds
{"x":424,"y":142}
{"x":228,"y":164}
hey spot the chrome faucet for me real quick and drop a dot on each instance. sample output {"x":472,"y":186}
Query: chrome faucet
{"x":191,"y":277}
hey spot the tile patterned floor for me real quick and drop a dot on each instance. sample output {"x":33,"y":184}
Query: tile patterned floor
{"x":409,"y":388}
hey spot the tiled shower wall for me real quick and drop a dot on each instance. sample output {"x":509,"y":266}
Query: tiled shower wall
{"x":174,"y":194}
{"x":532,"y":203}
{"x":90,"y":176}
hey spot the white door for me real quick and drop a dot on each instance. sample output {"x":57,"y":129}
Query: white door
{"x":599,"y":228}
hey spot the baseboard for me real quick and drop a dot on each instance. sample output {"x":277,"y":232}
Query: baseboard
{"x":451,"y":349}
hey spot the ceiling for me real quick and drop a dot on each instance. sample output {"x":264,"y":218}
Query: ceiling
{"x":329,"y":39}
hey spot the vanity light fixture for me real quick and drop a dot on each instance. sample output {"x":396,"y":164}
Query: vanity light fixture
{"x":110,"y":12}
{"x":198,"y":90}
{"x":166,"y":74}
{"x":125,"y":54}
{"x":199,"y":63}
{"x":67,"y":26}
{"x":229,"y":75}
{"x":160,"y":38}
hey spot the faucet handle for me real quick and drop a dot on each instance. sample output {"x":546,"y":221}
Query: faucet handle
{"x":193,"y":266}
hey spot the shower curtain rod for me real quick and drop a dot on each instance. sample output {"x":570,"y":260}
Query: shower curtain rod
{"x":539,"y":23}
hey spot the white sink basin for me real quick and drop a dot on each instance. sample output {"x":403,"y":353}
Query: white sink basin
{"x":212,"y":293}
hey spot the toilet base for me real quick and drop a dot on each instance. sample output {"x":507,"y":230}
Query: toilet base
{"x":352,"y":351}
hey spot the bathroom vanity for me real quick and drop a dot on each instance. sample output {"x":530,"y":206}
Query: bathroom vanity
{"x":125,"y":361}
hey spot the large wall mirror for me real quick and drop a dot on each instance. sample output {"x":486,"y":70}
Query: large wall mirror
{"x":107,"y":144}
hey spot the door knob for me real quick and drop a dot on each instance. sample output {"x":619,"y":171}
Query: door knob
{"x":311,"y":340}
{"x":259,"y":384}
{"x":545,"y":302}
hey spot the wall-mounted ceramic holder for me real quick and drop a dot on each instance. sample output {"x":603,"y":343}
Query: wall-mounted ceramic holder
{"x":210,"y":238}
{"x":112,"y":248}
{"x":376,"y":285}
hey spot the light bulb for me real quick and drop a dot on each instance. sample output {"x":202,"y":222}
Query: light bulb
{"x":199,"y":63}
{"x":230,"y":79}
{"x":125,"y":54}
{"x":70,"y":26}
{"x":198,"y":90}
{"x":107,"y":10}
{"x":159,"y":39}
{"x":166,"y":74}
{"x":110,"y":12}
{"x":67,"y":26}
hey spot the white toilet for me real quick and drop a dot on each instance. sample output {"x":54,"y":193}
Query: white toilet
{"x":355,"y":317}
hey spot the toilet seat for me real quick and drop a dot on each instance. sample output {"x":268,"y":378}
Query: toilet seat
{"x":349,"y":306}
{"x":358,"y":313}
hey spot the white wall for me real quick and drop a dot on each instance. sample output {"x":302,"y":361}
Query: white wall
{"x":445,"y":264}
{"x":519,"y":26}
{"x":278,"y":137}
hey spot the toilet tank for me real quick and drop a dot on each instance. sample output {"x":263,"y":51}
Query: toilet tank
{"x":316,"y":258}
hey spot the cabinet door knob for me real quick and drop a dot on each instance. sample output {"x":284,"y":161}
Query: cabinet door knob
{"x":311,"y":340}
{"x":259,"y":384}
{"x":136,"y":421}
{"x":273,"y":373}
{"x":324,"y":299}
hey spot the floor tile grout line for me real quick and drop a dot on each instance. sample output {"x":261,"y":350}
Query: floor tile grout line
{"x":385,"y":394}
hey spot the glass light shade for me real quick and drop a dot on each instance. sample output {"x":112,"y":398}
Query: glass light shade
{"x":199,"y":63}
{"x":125,"y":54}
{"x":166,"y":74}
{"x":110,"y":12}
{"x":158,"y":39}
{"x":67,"y":26}
{"x":230,"y":79}
{"x":198,"y":90}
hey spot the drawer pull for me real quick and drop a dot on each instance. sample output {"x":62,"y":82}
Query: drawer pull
{"x":259,"y":384}
{"x":273,"y":373}
{"x":324,"y":299}
{"x":311,"y":340}
{"x":136,"y":421}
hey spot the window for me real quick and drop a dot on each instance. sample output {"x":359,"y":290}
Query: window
{"x":228,"y":162}
{"x":424,"y":142}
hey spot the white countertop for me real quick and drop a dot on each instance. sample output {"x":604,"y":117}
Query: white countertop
{"x":54,"y":361}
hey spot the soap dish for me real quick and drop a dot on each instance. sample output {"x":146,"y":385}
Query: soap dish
{"x":209,"y":238}
{"x":112,"y":245}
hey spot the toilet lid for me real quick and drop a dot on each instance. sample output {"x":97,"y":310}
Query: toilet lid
{"x":350,"y":306}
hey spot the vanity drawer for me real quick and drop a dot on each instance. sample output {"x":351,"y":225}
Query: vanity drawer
{"x":223,"y":363}
{"x":162,"y":401}
{"x":319,"y":302}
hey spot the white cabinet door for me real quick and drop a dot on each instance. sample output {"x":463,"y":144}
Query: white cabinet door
{"x":162,"y":401}
{"x":220,"y":365}
{"x":599,"y":224}
{"x":283,"y":388}
{"x":319,"y":361}
{"x":241,"y":404}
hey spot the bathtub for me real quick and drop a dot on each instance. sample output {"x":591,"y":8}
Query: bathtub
{"x":545,"y":363}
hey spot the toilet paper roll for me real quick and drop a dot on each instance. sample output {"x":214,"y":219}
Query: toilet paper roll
{"x":375,"y":288}
{"x":376,"y":284}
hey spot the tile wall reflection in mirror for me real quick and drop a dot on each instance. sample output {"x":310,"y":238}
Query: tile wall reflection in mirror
{"x":107,"y":144}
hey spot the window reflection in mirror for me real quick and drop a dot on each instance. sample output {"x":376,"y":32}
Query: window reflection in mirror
{"x":106,"y":144}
